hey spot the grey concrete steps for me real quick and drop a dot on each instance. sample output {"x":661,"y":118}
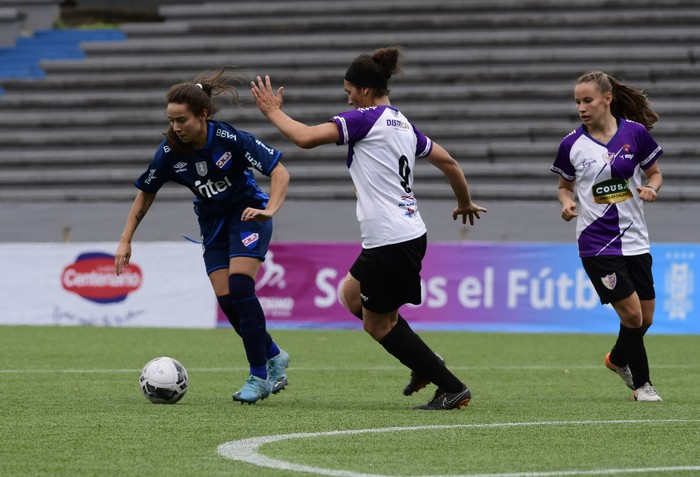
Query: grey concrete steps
{"x":403,"y":96}
{"x":253,"y":8}
{"x":326,"y":170}
{"x":34,"y":14}
{"x":16,"y":114}
{"x":484,"y":192}
{"x":423,"y":74}
{"x":36,"y":156}
{"x":493,"y":39}
{"x":491,"y":80}
{"x":80,"y":193}
{"x":10,"y":26}
{"x":258,"y":61}
{"x":111,"y":133}
{"x":500,"y":155}
{"x":425,"y":19}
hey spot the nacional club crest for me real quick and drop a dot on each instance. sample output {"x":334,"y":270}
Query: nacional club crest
{"x":609,"y":281}
{"x":223,"y":162}
{"x":249,"y":240}
{"x":201,"y":168}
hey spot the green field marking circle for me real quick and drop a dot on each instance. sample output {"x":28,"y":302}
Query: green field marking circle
{"x":247,"y":450}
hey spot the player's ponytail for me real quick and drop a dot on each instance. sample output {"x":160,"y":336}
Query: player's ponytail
{"x":628,"y":102}
{"x":374,"y":70}
{"x":199,"y":95}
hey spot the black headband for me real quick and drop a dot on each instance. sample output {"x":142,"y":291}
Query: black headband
{"x":363,"y":78}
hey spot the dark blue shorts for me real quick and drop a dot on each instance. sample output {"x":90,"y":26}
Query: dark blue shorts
{"x":226,"y":237}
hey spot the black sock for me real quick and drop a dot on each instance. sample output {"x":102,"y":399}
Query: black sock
{"x":632,"y":343}
{"x":409,"y":348}
{"x":617,"y":356}
{"x":399,"y":321}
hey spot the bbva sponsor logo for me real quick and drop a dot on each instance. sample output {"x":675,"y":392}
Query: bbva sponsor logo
{"x":92,"y":277}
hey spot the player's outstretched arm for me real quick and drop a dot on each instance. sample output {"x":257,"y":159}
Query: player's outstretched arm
{"x":270,"y":104}
{"x":441,"y":159}
{"x":139,"y":208}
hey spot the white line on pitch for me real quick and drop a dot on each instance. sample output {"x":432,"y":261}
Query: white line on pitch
{"x":351,"y":368}
{"x":246,"y":450}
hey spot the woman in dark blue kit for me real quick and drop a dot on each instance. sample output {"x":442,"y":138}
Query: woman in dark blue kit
{"x":214,"y":160}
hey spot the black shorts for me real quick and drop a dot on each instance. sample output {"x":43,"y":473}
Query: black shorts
{"x":617,"y":277}
{"x":389,"y":276}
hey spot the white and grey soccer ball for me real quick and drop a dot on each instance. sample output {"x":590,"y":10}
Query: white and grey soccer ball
{"x":164,"y":380}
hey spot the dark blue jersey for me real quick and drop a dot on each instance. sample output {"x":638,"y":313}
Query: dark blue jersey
{"x":219,"y":174}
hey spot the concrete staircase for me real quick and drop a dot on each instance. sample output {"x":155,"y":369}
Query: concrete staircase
{"x":491,"y":80}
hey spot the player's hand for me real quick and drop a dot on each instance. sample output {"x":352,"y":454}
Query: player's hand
{"x":122,"y":257}
{"x":255,"y":215}
{"x":265,"y":99}
{"x":568,"y":212}
{"x":471,"y":211}
{"x":647,"y":194}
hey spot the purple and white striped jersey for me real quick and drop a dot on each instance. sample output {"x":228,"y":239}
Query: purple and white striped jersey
{"x":382,"y":150}
{"x":611,"y":215}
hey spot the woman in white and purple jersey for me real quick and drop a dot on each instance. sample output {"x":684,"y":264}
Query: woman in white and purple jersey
{"x":610,"y":163}
{"x":382,"y":150}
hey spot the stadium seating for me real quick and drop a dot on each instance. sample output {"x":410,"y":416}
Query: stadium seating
{"x":34,"y":14}
{"x":491,"y":80}
{"x":10,"y":26}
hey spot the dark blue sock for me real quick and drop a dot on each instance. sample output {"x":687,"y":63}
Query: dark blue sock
{"x":272,"y":348}
{"x":252,"y":322}
{"x":229,"y":310}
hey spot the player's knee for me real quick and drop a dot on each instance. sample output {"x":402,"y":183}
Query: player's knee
{"x":241,"y":287}
{"x":378,"y":325}
{"x":349,"y":296}
{"x":631,"y":318}
{"x":373,"y":330}
{"x":350,"y":303}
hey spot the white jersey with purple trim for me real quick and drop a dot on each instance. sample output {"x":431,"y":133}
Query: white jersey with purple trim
{"x":610,"y":212}
{"x":382,"y":150}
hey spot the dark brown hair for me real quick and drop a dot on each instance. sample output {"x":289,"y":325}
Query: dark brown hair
{"x":375,"y":69}
{"x":628,"y":102}
{"x":199,"y":94}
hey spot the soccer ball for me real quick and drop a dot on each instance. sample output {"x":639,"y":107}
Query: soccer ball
{"x":164,"y":380}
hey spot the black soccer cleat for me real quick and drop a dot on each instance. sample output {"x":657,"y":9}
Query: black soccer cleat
{"x":418,"y":382}
{"x":443,"y":400}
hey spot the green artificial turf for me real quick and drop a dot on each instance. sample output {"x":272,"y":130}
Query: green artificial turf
{"x":70,"y":405}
